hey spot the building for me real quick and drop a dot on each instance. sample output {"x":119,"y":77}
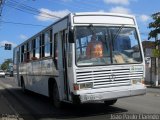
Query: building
{"x":148,"y":47}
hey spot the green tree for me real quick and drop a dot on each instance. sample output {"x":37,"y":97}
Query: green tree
{"x":154,"y":26}
{"x":155,"y":30}
{"x":5,"y":65}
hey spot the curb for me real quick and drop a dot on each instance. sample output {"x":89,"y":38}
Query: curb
{"x":150,"y":86}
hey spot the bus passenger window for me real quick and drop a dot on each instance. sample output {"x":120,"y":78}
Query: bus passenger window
{"x":41,"y":48}
{"x":37,"y":49}
{"x":51,"y":42}
{"x":55,"y":49}
{"x":22,"y":53}
{"x":47,"y":44}
{"x":33,"y":49}
{"x":28,"y":52}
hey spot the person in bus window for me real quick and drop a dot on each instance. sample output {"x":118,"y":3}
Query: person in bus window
{"x":94,"y":48}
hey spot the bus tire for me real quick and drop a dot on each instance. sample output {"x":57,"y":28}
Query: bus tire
{"x":56,"y":97}
{"x":110,"y":102}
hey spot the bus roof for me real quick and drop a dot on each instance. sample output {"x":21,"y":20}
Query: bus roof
{"x":79,"y":14}
{"x":104,"y":13}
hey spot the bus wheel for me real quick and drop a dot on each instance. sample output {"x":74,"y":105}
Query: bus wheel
{"x":56,"y":98}
{"x":110,"y":102}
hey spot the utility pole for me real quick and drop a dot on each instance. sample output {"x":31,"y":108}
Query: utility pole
{"x":2,"y":2}
{"x":1,"y":7}
{"x":157,"y":62}
{"x":156,"y":72}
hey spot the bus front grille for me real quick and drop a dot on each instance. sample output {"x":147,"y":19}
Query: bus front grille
{"x":104,"y":77}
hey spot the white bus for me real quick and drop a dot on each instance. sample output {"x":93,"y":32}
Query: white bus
{"x":83,"y":57}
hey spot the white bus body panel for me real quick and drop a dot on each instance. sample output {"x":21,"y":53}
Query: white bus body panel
{"x":103,"y":19}
{"x":37,"y":73}
{"x":105,"y":88}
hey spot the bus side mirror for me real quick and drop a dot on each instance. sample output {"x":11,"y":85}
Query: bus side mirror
{"x":71,"y":36}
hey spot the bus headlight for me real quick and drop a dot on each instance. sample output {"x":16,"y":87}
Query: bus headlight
{"x":83,"y":86}
{"x":137,"y":81}
{"x":86,"y":85}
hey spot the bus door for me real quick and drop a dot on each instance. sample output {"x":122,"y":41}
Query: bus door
{"x":64,"y":58}
{"x":60,"y":53}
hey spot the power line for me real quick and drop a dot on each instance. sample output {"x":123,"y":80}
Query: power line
{"x":17,"y":5}
{"x":28,"y":12}
{"x":35,"y":25}
{"x":20,"y":9}
{"x":28,"y":9}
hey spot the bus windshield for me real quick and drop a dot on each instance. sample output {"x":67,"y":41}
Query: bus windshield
{"x":106,"y":45}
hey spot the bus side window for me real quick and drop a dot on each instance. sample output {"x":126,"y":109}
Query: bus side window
{"x":56,"y":49}
{"x":17,"y":58}
{"x":28,"y":52}
{"x":50,"y":42}
{"x":42,"y":46}
{"x":33,"y":49}
{"x":37,"y":47}
{"x":22,"y":53}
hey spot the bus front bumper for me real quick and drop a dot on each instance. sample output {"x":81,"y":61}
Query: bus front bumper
{"x":110,"y":95}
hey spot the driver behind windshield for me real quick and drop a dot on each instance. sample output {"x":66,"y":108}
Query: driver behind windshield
{"x":94,"y":48}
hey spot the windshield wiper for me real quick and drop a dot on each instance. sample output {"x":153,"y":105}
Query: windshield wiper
{"x":118,"y":31}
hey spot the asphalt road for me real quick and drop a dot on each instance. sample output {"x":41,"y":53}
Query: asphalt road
{"x":14,"y":105}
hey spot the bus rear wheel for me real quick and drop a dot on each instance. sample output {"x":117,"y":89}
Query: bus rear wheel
{"x":56,"y":97}
{"x":110,"y":102}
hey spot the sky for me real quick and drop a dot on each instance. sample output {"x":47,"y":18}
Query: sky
{"x":13,"y":12}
